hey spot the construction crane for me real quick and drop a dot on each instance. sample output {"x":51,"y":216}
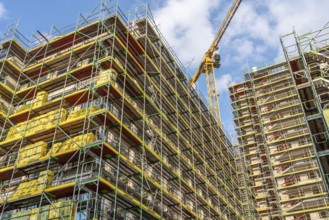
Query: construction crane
{"x":211,"y":60}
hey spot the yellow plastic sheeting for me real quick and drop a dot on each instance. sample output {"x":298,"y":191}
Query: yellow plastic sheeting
{"x":107,"y":76}
{"x":82,"y":112}
{"x":74,"y":114}
{"x":40,"y":100}
{"x":36,"y":124}
{"x":34,"y":214}
{"x":46,"y":177}
{"x":36,"y":187}
{"x":43,"y":182}
{"x":33,"y":187}
{"x":56,"y":116}
{"x":54,"y":211}
{"x":62,"y":210}
{"x":21,"y":215}
{"x":21,"y":190}
{"x":70,"y":144}
{"x":31,"y":153}
{"x":82,"y":140}
{"x":43,"y":213}
{"x":17,"y":131}
{"x":66,"y":146}
{"x":326,"y":115}
{"x":54,"y":150}
{"x":25,"y":108}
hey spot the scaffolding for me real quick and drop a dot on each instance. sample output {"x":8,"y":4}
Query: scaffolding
{"x":98,"y":122}
{"x":237,"y":93}
{"x":308,"y":60}
{"x":282,"y":127}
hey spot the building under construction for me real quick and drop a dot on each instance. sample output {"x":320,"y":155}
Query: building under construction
{"x":280,"y":116}
{"x":97,"y":121}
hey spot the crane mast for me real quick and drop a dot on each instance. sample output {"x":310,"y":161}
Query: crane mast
{"x":211,"y":60}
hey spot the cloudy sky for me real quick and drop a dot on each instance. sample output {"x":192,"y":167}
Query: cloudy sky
{"x":252,"y":39}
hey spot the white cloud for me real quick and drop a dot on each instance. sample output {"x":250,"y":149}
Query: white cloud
{"x":223,"y":82}
{"x":259,"y":24}
{"x":187,"y":25}
{"x":302,"y":14}
{"x":253,"y":36}
{"x":2,"y":10}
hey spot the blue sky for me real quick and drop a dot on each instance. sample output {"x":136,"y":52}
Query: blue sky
{"x":189,"y":26}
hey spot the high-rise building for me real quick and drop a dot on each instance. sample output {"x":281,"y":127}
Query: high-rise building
{"x":97,"y":121}
{"x":280,"y":116}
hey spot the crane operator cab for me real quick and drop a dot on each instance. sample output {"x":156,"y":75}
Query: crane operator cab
{"x":216,"y":60}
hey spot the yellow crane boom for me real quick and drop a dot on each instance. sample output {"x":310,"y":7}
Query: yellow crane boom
{"x":211,"y":60}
